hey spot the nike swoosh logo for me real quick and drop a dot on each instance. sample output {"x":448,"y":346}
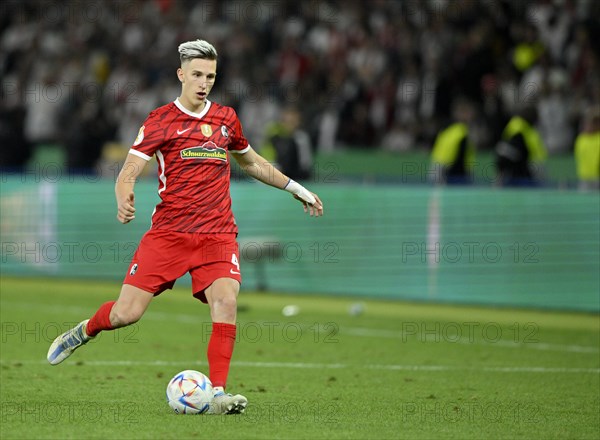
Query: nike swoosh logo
{"x":233,"y":272}
{"x":183,"y":131}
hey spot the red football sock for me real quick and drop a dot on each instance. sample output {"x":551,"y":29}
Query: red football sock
{"x":220,"y":349}
{"x":101,"y":320}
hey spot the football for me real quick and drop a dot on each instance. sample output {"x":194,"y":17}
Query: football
{"x":189,"y":392}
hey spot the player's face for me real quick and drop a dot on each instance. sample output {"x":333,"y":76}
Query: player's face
{"x":197,"y":78}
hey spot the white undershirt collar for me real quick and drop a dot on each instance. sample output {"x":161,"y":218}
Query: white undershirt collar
{"x":187,"y":112}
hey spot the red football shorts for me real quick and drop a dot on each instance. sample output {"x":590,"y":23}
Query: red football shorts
{"x":164,"y":256}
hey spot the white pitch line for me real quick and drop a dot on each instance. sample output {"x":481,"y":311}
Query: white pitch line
{"x":309,"y":365}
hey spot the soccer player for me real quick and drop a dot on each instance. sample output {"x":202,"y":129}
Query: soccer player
{"x":193,"y":229}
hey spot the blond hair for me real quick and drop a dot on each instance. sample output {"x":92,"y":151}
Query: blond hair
{"x":196,"y":49}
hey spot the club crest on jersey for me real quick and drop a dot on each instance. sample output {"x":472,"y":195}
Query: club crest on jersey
{"x":140,"y":136}
{"x":224,"y":131}
{"x":208,"y":150}
{"x":206,"y":130}
{"x":133,"y":269}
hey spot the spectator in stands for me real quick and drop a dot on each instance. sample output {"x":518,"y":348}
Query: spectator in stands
{"x":288,"y":146}
{"x":521,"y":152}
{"x":43,"y":100}
{"x":587,"y":151}
{"x":87,"y":126}
{"x":556,"y":112}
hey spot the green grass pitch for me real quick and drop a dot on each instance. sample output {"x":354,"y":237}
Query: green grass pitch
{"x":398,"y":370}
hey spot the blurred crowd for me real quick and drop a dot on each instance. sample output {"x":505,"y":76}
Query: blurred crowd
{"x":378,"y":74}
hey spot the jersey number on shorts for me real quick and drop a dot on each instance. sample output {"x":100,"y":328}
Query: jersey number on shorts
{"x":235,"y":262}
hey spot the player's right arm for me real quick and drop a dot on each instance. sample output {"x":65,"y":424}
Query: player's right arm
{"x":132,"y":168}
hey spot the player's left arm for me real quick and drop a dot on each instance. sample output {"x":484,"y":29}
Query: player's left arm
{"x":258,"y":167}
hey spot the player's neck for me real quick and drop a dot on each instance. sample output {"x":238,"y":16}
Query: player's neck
{"x":191,"y":107}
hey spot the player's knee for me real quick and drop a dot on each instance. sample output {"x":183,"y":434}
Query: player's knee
{"x":222,"y":298}
{"x":227,"y":303}
{"x":224,"y":308}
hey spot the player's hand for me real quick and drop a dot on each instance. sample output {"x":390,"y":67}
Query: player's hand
{"x":315,"y":209}
{"x":126,"y":210}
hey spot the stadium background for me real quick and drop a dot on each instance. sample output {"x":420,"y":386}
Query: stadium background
{"x":375,"y":81}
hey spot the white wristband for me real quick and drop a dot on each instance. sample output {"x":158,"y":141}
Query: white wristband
{"x":297,"y":189}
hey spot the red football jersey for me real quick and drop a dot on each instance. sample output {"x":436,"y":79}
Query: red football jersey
{"x":193,"y":165}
